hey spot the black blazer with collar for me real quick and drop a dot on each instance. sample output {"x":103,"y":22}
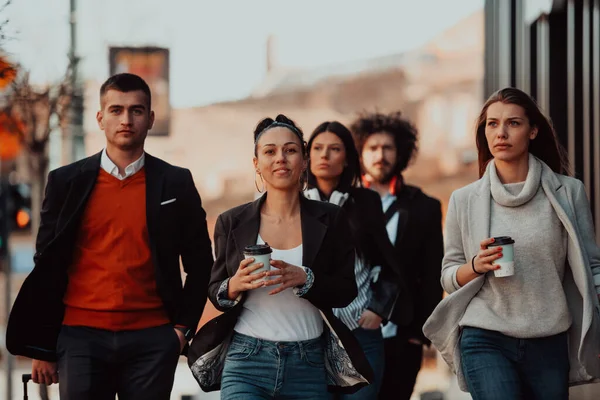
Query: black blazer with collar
{"x":325,"y":241}
{"x":326,"y":249}
{"x":176,"y":229}
{"x":390,"y":292}
{"x":419,"y":248}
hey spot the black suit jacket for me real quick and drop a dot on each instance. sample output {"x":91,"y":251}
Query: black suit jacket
{"x":371,"y":240}
{"x":326,"y":249}
{"x":325,"y":234}
{"x":177,"y":229}
{"x":419,"y":248}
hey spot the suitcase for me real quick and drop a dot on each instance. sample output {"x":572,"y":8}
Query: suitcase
{"x":25,"y":378}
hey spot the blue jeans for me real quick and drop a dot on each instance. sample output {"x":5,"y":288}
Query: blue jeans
{"x":371,"y":343}
{"x":499,"y":367}
{"x":260,"y":369}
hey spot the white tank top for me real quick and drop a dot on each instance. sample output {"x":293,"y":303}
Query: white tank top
{"x":282,"y":317}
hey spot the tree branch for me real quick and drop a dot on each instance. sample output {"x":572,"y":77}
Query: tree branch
{"x":35,"y":109}
{"x":4,"y":23}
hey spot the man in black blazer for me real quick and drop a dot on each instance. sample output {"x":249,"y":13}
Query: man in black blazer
{"x":104,"y":311}
{"x":387,"y":143}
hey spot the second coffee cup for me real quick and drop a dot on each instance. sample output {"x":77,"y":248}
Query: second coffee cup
{"x":507,"y":261}
{"x":261,"y":254}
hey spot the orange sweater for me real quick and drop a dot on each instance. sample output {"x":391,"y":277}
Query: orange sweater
{"x":111,"y":280}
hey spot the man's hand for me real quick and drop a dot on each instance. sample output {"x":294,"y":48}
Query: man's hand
{"x":182,"y":341}
{"x":44,"y":372}
{"x":369,"y":320}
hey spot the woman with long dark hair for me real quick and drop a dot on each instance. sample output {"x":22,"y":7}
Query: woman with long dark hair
{"x":521,"y":264}
{"x":278,"y":337}
{"x":334,"y":177}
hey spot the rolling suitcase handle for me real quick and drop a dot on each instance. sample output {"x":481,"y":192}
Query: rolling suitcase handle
{"x":25,"y":378}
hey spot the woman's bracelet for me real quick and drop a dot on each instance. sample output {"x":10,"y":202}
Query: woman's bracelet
{"x":473,"y":266}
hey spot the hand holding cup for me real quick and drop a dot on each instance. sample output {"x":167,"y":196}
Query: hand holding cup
{"x":506,"y":262}
{"x":245,"y":278}
{"x":484,"y":260}
{"x":285,"y":275}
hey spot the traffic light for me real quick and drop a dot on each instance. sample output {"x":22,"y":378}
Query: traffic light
{"x":4,"y":219}
{"x":19,"y":207}
{"x":15,"y":211}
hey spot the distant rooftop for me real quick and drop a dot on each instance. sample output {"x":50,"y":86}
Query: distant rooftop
{"x":283,"y":80}
{"x":460,"y":36}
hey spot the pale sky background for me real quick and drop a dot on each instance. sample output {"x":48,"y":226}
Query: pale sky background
{"x":218,"y":47}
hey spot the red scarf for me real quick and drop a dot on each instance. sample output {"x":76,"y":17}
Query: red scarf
{"x":392,"y":189}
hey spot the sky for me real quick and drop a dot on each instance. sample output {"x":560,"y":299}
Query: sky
{"x":218,"y":47}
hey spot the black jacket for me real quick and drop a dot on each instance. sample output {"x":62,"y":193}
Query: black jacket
{"x":419,"y":249}
{"x":365,"y":217}
{"x":175,"y":229}
{"x":327,"y":250}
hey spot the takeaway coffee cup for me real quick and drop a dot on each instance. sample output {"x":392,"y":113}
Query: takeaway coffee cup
{"x":261,"y":254}
{"x":507,"y":261}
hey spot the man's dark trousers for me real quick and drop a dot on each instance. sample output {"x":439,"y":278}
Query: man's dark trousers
{"x":97,"y":364}
{"x":402,"y":364}
{"x":419,"y":248}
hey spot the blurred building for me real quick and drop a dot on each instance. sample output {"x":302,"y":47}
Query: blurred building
{"x":438,"y":86}
{"x":551,"y":49}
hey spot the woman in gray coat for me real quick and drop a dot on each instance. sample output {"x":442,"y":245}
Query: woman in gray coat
{"x":520,"y":327}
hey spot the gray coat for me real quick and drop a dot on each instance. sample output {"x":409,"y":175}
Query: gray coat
{"x":468,"y":223}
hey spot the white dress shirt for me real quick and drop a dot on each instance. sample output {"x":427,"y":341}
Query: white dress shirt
{"x":390,"y":329}
{"x":109,"y":166}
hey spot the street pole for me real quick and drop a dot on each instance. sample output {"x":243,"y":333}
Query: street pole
{"x":5,"y":263}
{"x":76,"y":117}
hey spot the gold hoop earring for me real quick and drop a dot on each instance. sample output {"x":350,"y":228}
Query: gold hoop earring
{"x":261,"y":180}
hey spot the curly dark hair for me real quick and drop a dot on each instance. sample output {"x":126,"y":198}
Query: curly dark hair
{"x":404,"y":132}
{"x":266,"y":123}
